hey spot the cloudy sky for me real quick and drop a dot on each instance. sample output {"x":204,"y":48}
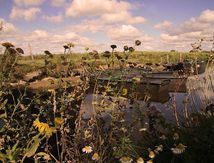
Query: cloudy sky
{"x":159,"y":24}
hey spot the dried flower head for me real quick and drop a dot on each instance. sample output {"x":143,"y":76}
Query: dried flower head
{"x":137,"y":42}
{"x":131,"y":49}
{"x":126,"y":48}
{"x":113,"y":46}
{"x":48,"y":53}
{"x":107,"y":54}
{"x":7,"y":45}
{"x":118,"y":56}
{"x":20,"y":50}
{"x":65,"y":47}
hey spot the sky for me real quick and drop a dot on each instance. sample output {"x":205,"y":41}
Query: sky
{"x":161,"y":25}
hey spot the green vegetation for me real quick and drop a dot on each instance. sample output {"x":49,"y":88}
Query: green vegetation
{"x":48,"y":125}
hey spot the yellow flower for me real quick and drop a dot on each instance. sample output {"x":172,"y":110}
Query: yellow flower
{"x":140,"y":160}
{"x":124,"y":92}
{"x":126,"y":160}
{"x":137,"y":80}
{"x":160,"y":148}
{"x":43,"y":128}
{"x":87,"y":149}
{"x":150,"y":161}
{"x":95,"y":157}
{"x":180,"y":148}
{"x":151,"y":154}
{"x":58,"y":121}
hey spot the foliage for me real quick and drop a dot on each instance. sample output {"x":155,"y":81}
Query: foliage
{"x":49,"y":125}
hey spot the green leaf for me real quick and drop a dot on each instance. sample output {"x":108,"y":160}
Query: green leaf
{"x":30,"y":151}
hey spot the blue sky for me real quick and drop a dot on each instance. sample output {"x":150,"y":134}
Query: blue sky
{"x":159,"y":24}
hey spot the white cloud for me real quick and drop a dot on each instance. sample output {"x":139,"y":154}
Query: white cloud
{"x":109,"y":11}
{"x":57,"y":3}
{"x":95,"y":7}
{"x":207,"y":16}
{"x":196,"y":24}
{"x":123,"y":16}
{"x":8,"y":28}
{"x":28,"y":14}
{"x":41,"y":40}
{"x":163,"y":25}
{"x":28,"y":2}
{"x":189,"y":32}
{"x":126,"y":33}
{"x":54,"y":19}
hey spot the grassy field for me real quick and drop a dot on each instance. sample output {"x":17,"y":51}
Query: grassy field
{"x":27,"y":64}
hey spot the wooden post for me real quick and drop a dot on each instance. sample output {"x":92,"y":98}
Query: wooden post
{"x":167,"y":58}
{"x":30,"y":51}
{"x":180,"y":57}
{"x":1,"y":26}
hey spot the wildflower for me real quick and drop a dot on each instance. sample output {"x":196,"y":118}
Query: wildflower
{"x":180,"y":148}
{"x":150,"y":161}
{"x":140,"y":160}
{"x":136,"y":79}
{"x":160,"y":148}
{"x":95,"y":157}
{"x":43,"y":128}
{"x":123,"y":129}
{"x":175,"y":136}
{"x":126,"y":159}
{"x":151,"y":154}
{"x":58,"y":121}
{"x":87,"y":134}
{"x":124,"y":91}
{"x":87,"y":149}
{"x":142,"y":129}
